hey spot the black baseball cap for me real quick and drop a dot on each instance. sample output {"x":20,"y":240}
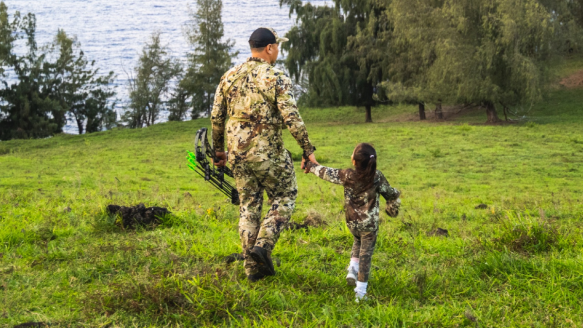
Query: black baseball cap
{"x":264,"y":36}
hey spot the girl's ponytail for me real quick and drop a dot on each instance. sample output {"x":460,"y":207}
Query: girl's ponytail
{"x":365,"y":158}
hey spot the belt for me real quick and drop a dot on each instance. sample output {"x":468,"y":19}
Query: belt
{"x":239,"y":119}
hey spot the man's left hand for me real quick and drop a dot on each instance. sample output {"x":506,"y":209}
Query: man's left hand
{"x":312,"y":159}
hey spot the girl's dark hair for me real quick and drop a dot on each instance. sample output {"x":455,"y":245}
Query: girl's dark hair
{"x":365,"y":160}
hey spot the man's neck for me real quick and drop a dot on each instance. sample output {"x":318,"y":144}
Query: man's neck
{"x":261,"y":55}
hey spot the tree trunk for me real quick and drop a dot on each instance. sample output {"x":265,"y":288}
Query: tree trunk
{"x":505,"y":112}
{"x":438,"y":111}
{"x":79,"y":125}
{"x":368,"y":114}
{"x":422,"y":111}
{"x":491,"y":112}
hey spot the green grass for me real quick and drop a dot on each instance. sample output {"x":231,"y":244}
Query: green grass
{"x":517,"y":263}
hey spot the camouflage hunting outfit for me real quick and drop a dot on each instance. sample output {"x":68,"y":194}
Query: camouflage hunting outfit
{"x":361,"y":204}
{"x":257,"y":99}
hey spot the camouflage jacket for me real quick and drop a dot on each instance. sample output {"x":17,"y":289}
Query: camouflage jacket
{"x":258,"y":100}
{"x":360,"y":203}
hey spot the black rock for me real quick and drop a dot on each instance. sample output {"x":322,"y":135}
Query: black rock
{"x":233,"y":258}
{"x":31,"y":325}
{"x":439,"y":232}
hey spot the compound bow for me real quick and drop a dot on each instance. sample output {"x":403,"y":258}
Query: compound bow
{"x":199,"y":163}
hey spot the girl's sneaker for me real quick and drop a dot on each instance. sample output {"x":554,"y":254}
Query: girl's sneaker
{"x":361,"y":297}
{"x":351,"y":276}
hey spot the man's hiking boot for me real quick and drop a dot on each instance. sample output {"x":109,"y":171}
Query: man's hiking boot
{"x":263,"y":260}
{"x":255,"y":277}
{"x":351,"y":276}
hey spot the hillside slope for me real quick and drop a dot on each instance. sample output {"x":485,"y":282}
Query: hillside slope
{"x":515,"y":262}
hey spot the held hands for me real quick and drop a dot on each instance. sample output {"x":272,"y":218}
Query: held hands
{"x":306,"y":166}
{"x":222,"y":157}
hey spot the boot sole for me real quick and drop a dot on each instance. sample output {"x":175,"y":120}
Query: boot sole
{"x":263,"y":264}
{"x":351,"y":281}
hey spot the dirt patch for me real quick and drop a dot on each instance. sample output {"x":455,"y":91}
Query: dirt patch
{"x":572,"y":81}
{"x":139,"y":215}
{"x":481,"y":207}
{"x":313,"y":219}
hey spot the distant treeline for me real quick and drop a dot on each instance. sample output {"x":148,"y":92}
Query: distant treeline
{"x":493,"y":53}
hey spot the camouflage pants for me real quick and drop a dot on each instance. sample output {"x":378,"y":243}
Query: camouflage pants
{"x":363,"y":248}
{"x":278,"y":179}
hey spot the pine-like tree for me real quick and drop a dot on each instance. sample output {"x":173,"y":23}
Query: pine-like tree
{"x":150,"y":88}
{"x":29,"y":108}
{"x":210,"y":58}
{"x":46,"y":83}
{"x":80,"y":89}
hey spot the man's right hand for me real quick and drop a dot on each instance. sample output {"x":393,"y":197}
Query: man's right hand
{"x":222,"y":157}
{"x":312,"y":159}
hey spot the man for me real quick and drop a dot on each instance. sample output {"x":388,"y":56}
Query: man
{"x":257,"y":98}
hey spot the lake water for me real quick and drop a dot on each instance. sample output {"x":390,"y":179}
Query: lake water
{"x":113,"y":32}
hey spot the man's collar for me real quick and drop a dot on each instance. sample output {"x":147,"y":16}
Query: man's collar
{"x":257,"y":59}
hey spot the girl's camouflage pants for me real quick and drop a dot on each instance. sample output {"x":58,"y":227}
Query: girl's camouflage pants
{"x":363,"y":248}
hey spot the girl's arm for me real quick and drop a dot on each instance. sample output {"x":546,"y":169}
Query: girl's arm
{"x":327,"y":173}
{"x":391,"y":195}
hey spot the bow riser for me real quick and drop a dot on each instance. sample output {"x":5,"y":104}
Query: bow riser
{"x":199,"y":163}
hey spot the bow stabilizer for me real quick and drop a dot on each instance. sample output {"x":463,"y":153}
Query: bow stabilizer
{"x":199,"y":162}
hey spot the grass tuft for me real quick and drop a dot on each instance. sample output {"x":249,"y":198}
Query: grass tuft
{"x":528,"y":235}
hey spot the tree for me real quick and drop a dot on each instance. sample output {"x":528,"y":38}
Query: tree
{"x":7,"y":36}
{"x":46,"y":83}
{"x":179,"y":103}
{"x":29,"y":108}
{"x":210,"y":58}
{"x":80,"y":90}
{"x":567,"y":18}
{"x":412,"y":50}
{"x":494,"y":52}
{"x":150,"y":88}
{"x":489,"y":52}
{"x":340,"y":47}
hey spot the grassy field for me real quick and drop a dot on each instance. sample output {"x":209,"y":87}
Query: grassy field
{"x":518,"y":262}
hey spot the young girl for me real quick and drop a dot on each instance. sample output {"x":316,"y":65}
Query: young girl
{"x":362,"y":187}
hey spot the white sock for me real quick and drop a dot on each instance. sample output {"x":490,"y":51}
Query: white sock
{"x":361,"y":288}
